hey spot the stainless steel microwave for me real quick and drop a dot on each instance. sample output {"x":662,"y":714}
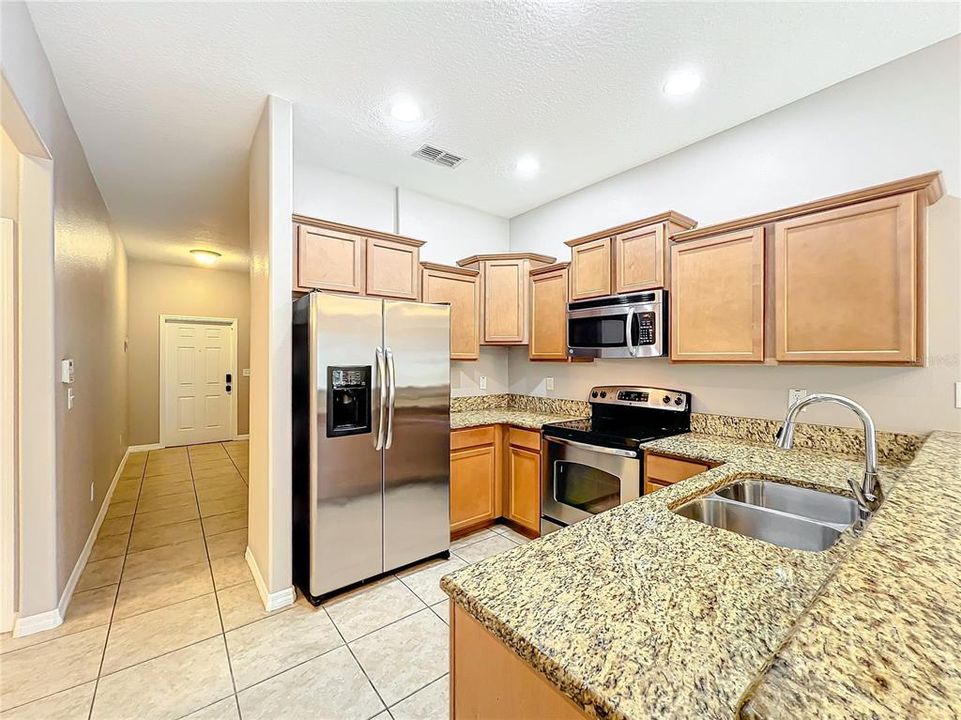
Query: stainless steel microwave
{"x":618,"y":326}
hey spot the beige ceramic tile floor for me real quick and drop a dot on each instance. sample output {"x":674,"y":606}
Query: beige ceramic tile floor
{"x":166,"y":621}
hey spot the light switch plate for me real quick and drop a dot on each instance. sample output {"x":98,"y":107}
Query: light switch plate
{"x":957,"y":395}
{"x":549,"y":383}
{"x":245,"y":372}
{"x":482,"y":382}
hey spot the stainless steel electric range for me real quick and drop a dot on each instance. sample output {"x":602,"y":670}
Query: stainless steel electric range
{"x":596,"y":464}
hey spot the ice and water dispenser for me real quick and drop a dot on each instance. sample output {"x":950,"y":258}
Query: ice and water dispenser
{"x":348,"y":400}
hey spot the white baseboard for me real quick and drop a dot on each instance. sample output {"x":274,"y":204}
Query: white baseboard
{"x":31,"y":624}
{"x":272,"y":601}
{"x":245,"y":436}
{"x":144,"y":448}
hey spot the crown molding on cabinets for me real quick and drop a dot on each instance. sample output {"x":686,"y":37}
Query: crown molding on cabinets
{"x":930,"y":186}
{"x":682,"y":221}
{"x":533,"y":257}
{"x":354,"y":230}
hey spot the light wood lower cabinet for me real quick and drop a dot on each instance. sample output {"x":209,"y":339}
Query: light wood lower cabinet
{"x":662,"y":471}
{"x":549,"y":312}
{"x":460,"y":287}
{"x":590,"y":273}
{"x":847,"y":283}
{"x":489,"y":680}
{"x":717,"y":298}
{"x":474,"y":477}
{"x":523,"y":497}
{"x":495,"y":471}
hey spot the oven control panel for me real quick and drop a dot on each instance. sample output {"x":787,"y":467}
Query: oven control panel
{"x":661,"y":398}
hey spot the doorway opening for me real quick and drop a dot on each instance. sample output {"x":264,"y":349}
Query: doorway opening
{"x":198,"y":380}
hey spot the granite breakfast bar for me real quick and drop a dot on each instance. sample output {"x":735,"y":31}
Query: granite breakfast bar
{"x":641,"y":613}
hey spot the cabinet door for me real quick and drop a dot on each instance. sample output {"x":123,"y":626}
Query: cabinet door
{"x":393,"y":269}
{"x":472,"y":477}
{"x":847,"y":284}
{"x":505,"y":302}
{"x":330,"y":260}
{"x":717,"y":298}
{"x":549,"y":316}
{"x":524,"y":485}
{"x":591,"y":269}
{"x":462,"y":292}
{"x":639,"y":259}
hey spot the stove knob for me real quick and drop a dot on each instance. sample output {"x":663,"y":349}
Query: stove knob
{"x":666,"y":399}
{"x":594,"y":394}
{"x":679,"y":400}
{"x":603,"y":394}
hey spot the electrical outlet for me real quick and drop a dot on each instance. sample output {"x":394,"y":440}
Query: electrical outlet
{"x":91,"y":492}
{"x":794,"y":395}
{"x":549,"y":384}
{"x":957,"y":395}
{"x":482,"y":382}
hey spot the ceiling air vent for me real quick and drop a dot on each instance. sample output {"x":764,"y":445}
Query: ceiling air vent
{"x":437,"y":156}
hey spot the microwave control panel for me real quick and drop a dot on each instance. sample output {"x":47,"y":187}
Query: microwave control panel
{"x":646,"y":324}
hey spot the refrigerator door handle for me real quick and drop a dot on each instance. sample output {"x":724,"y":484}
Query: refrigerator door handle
{"x":391,"y":396}
{"x":382,"y":384}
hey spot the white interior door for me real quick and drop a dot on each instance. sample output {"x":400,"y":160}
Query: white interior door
{"x":198,"y":381}
{"x":8,"y":420}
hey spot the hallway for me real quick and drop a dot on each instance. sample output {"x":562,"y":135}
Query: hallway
{"x":166,"y":621}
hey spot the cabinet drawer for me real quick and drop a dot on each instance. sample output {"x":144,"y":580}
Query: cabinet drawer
{"x":472,"y":437}
{"x":654,"y":485}
{"x":667,"y":470}
{"x":525,"y":438}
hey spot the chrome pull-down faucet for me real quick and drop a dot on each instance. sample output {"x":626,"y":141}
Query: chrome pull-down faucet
{"x":868,"y":494}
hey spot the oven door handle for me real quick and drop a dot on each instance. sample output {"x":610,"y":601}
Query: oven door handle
{"x":594,"y":448}
{"x":629,"y":332}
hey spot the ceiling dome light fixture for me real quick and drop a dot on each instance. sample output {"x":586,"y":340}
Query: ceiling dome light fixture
{"x":405,"y":110}
{"x":527,"y":166}
{"x":681,"y":83}
{"x":205,"y":257}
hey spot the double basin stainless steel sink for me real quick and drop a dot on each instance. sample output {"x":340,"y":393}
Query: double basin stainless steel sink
{"x":775,"y":512}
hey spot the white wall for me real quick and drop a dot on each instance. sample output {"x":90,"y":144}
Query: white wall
{"x":451,"y":232}
{"x":270,"y":200}
{"x":85,"y":278}
{"x":898,"y":120}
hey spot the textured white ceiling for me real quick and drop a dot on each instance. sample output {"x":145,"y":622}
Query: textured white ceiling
{"x":165,"y":96}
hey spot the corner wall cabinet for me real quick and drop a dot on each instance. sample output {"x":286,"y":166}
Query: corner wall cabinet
{"x":460,"y":287}
{"x":505,"y":291}
{"x":343,"y":258}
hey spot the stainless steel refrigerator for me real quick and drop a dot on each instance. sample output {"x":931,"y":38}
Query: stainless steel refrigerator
{"x":371,"y":446}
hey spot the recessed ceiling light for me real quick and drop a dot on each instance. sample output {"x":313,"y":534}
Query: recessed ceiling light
{"x":527,"y":166}
{"x":682,"y":82}
{"x":405,"y":110}
{"x":205,"y":257}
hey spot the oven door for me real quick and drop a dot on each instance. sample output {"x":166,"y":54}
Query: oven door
{"x":582,"y":480}
{"x":618,"y":330}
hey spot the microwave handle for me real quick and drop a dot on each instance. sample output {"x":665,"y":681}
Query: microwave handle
{"x":629,"y":332}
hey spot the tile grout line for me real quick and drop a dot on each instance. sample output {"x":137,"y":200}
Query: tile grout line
{"x":213,"y":580}
{"x":113,"y":610}
{"x":356,"y":660}
{"x":423,"y":687}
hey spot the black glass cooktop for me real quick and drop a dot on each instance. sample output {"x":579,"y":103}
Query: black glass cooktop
{"x":609,"y":433}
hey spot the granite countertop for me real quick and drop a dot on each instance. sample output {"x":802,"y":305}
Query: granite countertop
{"x":530,"y":419}
{"x":641,"y":613}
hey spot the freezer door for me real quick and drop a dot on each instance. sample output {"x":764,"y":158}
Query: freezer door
{"x":417,"y":443}
{"x":346,"y":469}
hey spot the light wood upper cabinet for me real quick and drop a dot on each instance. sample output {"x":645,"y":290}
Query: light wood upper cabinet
{"x":460,"y":288}
{"x":548,"y":340}
{"x":717,"y":298}
{"x":329,"y":260}
{"x":590,"y":272}
{"x":505,"y":294}
{"x":393,"y":268}
{"x":847,"y":284}
{"x":523,"y":498}
{"x":639,"y":259}
{"x":473,"y":477}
